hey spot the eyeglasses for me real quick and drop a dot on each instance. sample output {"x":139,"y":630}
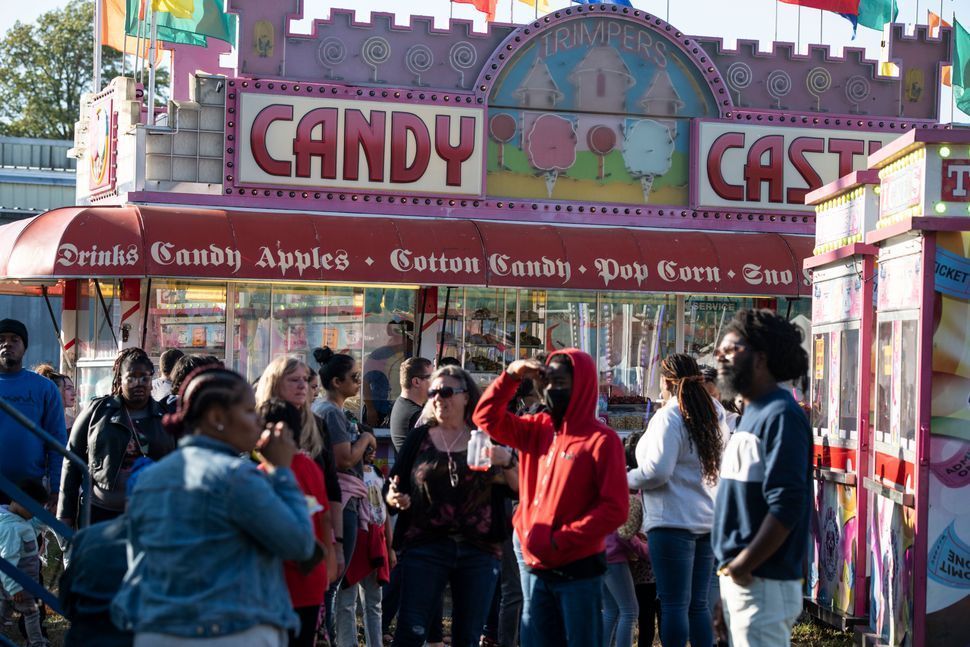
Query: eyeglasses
{"x":445,"y":392}
{"x":134,"y":380}
{"x":732,"y":349}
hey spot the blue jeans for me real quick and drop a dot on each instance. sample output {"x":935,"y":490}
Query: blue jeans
{"x":561,"y":613}
{"x":425,"y":570}
{"x":620,"y":608}
{"x":682,"y":563}
{"x":350,"y":542}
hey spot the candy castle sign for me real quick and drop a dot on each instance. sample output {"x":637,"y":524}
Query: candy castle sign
{"x":300,"y":138}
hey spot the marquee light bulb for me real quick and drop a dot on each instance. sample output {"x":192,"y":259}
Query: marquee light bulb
{"x":940,"y":207}
{"x":945,"y":151}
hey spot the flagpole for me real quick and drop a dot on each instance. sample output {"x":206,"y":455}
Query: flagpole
{"x":97,"y":45}
{"x":798,"y":39}
{"x":139,"y":59}
{"x":776,"y":21}
{"x":153,"y":44}
{"x":821,"y":23}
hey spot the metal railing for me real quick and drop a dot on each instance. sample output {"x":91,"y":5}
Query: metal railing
{"x":38,"y":510}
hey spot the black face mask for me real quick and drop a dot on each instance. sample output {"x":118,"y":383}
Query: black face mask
{"x":558,"y":401}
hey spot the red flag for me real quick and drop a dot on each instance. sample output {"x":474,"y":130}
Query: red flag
{"x":837,"y":6}
{"x":487,"y":7}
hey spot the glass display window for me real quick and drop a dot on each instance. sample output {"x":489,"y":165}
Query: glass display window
{"x":635,"y":332}
{"x":93,"y":381}
{"x":527,"y":322}
{"x":821,"y":358}
{"x":99,"y":315}
{"x":389,"y":339}
{"x":571,"y":321}
{"x":704,"y":319}
{"x":251,"y":326}
{"x":188,"y":315}
{"x":897,"y":365}
{"x":849,"y":383}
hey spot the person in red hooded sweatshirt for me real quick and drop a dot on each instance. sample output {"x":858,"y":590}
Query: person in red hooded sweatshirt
{"x":573,"y":493}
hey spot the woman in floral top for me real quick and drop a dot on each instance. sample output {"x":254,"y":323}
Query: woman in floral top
{"x":452,"y":520}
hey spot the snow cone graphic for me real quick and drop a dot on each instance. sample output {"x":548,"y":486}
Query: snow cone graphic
{"x":648,"y":151}
{"x":551,"y":147}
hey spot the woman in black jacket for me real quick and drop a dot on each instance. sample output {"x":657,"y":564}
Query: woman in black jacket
{"x":111,"y":434}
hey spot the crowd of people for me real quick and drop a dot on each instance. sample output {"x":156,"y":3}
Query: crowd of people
{"x":230,"y":513}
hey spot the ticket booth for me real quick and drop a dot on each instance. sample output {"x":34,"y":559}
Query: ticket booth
{"x":842,"y":321}
{"x":917,"y":480}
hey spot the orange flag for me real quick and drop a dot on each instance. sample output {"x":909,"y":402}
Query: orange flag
{"x":487,"y":7}
{"x":113,"y":30}
{"x":935,"y":22}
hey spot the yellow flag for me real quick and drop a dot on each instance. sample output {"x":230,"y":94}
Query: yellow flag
{"x":178,"y":8}
{"x":543,"y":4}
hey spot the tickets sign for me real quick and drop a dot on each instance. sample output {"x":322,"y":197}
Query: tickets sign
{"x":773,"y":168}
{"x":318,"y":142}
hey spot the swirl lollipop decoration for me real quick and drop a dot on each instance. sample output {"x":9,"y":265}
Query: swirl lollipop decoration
{"x":502,"y":127}
{"x":463,"y":56}
{"x":779,"y":85}
{"x":375,"y":51}
{"x":739,"y":77}
{"x":601,"y":140}
{"x":857,"y":90}
{"x":418,"y":59}
{"x":331,"y":53}
{"x":818,"y":81}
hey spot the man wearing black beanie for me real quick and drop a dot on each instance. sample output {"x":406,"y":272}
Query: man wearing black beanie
{"x":24,"y":455}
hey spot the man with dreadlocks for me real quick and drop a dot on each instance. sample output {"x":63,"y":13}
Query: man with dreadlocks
{"x":762,"y":510}
{"x":677,"y":469}
{"x":111,"y":434}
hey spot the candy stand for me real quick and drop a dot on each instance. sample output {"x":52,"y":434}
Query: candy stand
{"x":842,"y":317}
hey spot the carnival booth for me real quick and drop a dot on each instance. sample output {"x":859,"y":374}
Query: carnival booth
{"x":595,"y":178}
{"x":842,"y":320}
{"x":893,"y":492}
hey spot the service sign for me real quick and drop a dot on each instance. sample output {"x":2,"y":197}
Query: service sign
{"x":317,"y":142}
{"x":102,"y":144}
{"x":773,"y":168}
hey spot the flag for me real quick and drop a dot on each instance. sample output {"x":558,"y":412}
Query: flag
{"x":206,"y":19}
{"x":543,"y":5}
{"x":622,"y":3}
{"x":113,"y":29}
{"x":961,"y":66}
{"x":835,"y":6}
{"x":487,"y":7}
{"x":935,"y":22}
{"x":874,"y":14}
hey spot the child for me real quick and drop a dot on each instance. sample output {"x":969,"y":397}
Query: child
{"x":18,"y":545}
{"x":373,"y":557}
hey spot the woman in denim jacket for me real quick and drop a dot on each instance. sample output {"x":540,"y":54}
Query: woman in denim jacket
{"x":208,"y":532}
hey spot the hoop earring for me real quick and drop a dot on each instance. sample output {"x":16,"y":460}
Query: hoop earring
{"x":220,"y":428}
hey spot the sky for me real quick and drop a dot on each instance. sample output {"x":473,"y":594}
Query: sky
{"x":746,"y":19}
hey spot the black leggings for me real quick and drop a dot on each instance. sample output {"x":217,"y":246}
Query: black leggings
{"x":649,"y":610}
{"x":308,"y":627}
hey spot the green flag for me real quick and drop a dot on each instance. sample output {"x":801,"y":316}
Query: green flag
{"x":961,"y":67}
{"x":192,"y":25}
{"x":874,"y":14}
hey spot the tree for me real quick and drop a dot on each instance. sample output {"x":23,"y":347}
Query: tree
{"x":44,"y":68}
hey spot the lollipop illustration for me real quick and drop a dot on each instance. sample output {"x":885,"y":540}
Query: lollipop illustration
{"x":551,"y":146}
{"x":502,"y":128}
{"x":601,"y":140}
{"x":647,"y":150}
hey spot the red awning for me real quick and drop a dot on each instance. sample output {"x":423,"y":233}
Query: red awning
{"x":218,"y":244}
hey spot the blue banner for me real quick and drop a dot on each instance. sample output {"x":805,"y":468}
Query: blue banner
{"x":952,"y":274}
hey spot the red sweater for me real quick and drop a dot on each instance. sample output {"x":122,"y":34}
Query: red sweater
{"x":572,"y":482}
{"x":307,"y":589}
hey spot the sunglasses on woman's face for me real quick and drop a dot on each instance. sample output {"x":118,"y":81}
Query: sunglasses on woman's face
{"x":445,"y":392}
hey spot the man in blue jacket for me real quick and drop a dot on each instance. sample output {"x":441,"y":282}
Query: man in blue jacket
{"x":24,"y":455}
{"x":761,"y":513}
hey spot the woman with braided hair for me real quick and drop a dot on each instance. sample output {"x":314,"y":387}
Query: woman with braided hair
{"x":678,"y":459}
{"x":111,"y":434}
{"x":209,"y":531}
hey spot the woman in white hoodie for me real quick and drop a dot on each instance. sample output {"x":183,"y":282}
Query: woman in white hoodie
{"x":677,"y":469}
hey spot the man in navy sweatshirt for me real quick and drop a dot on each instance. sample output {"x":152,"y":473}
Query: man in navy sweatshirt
{"x":761,"y":513}
{"x":22,"y":454}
